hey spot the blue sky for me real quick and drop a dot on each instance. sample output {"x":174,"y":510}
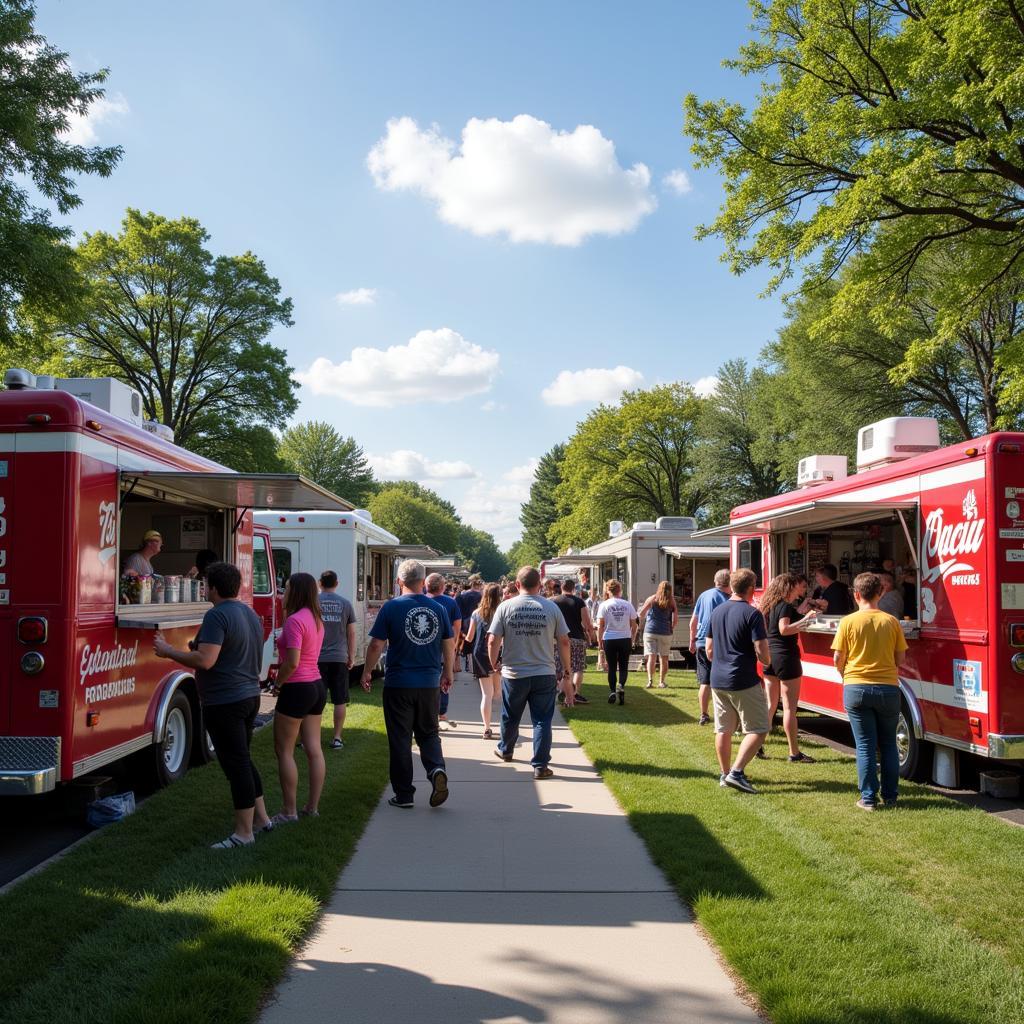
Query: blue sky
{"x":513,"y":219}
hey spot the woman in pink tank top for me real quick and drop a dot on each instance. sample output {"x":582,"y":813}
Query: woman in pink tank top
{"x":303,"y":695}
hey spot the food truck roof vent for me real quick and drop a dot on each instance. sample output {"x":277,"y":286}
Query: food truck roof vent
{"x":615,"y":527}
{"x":820,"y":469}
{"x":895,"y":439}
{"x":676,"y":523}
{"x":644,"y":524}
{"x":159,"y":430}
{"x":363,"y":513}
{"x":106,"y":393}
{"x":19,"y":380}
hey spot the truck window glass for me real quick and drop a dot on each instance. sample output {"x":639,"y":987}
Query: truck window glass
{"x":283,"y":565}
{"x":750,"y":557}
{"x":260,"y":566}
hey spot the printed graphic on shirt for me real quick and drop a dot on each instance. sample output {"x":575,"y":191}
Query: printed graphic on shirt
{"x":422,"y":625}
{"x":527,"y":620}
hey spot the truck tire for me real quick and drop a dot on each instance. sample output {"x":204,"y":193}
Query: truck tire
{"x":171,"y":757}
{"x":915,"y":754}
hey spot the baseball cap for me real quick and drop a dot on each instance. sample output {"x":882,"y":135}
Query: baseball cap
{"x":152,"y":535}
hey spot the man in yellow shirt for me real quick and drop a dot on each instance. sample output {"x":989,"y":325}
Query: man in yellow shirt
{"x":869,"y":649}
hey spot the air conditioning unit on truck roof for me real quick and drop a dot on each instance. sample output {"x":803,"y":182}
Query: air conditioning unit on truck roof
{"x":106,"y":393}
{"x":820,"y":469}
{"x":895,"y":439}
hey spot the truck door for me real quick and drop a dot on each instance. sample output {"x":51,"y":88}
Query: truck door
{"x":264,"y":595}
{"x":286,"y":560}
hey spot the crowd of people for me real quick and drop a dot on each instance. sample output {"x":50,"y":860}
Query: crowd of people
{"x":526,"y":644}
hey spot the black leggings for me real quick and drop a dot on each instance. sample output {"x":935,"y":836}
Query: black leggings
{"x":616,"y":653}
{"x":230,"y":727}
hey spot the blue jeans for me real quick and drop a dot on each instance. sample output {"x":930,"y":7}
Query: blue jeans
{"x":874,"y":711}
{"x":539,"y":693}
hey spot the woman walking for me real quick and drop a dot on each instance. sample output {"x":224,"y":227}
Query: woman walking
{"x":659,"y":625}
{"x":303,"y":695}
{"x":785,"y":673}
{"x":487,"y":675}
{"x":869,"y":649}
{"x":616,"y":631}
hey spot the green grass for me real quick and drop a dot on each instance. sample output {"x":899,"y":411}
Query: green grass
{"x":828,"y":914}
{"x":145,"y":923}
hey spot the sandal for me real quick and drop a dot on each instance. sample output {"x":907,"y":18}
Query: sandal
{"x":283,"y":819}
{"x":308,"y":814}
{"x":231,"y":842}
{"x":488,"y":735}
{"x":649,"y":686}
{"x":802,"y":758}
{"x":267,"y":826}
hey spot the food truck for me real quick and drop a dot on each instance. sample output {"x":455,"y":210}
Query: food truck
{"x":641,"y":557}
{"x":363,"y":554}
{"x":952,"y":519}
{"x":82,"y":479}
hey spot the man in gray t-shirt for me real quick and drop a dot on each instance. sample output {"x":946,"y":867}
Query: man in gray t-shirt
{"x":523,"y":634}
{"x":338,"y":650}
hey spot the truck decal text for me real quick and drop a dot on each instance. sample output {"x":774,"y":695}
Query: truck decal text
{"x":97,"y":660}
{"x":944,"y":544}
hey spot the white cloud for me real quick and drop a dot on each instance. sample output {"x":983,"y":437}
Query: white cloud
{"x":520,"y":178}
{"x":82,"y":128}
{"x":436,"y":366}
{"x":677,"y":181}
{"x":357,"y":297}
{"x":591,"y":385}
{"x":706,"y":386}
{"x":493,"y":505}
{"x":409,"y":465}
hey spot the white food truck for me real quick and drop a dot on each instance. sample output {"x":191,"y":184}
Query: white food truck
{"x":363,"y":554}
{"x":641,"y":557}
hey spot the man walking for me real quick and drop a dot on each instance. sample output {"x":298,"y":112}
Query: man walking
{"x":421,"y":655}
{"x":699,"y":620}
{"x":435,"y":589}
{"x":523,"y":633}
{"x":737,"y":640}
{"x":468,"y":602}
{"x":336,"y":654}
{"x":581,"y":629}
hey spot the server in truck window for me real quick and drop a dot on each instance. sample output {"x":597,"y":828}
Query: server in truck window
{"x":140,"y":563}
{"x":831,"y":596}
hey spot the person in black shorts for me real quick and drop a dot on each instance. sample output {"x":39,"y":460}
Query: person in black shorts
{"x":337,"y":652}
{"x":487,"y":675}
{"x":706,"y":603}
{"x":225,"y":658}
{"x":783,"y":621}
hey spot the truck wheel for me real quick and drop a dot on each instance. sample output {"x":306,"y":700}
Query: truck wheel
{"x":171,"y":757}
{"x":913,"y":752}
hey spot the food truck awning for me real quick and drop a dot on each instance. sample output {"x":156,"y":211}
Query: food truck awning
{"x":284,"y":491}
{"x":573,"y":560}
{"x":694,"y":551}
{"x":809,"y":515}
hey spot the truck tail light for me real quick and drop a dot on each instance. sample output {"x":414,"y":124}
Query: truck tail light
{"x":32,"y":630}
{"x":32,"y":663}
{"x":1017,"y":634}
{"x":38,"y":419}
{"x":1013,"y":447}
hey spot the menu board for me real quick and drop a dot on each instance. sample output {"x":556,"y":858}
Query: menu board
{"x":817,"y":551}
{"x":795,"y":560}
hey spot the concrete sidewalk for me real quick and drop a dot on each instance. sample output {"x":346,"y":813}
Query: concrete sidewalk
{"x":516,"y":901}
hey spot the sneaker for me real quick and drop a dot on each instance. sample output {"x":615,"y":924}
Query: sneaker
{"x":308,"y":814}
{"x":704,"y":719}
{"x":622,"y":695}
{"x":761,"y":755}
{"x":650,"y":684}
{"x":542,"y":773}
{"x":404,"y":804}
{"x":864,"y":805}
{"x":739,"y":781}
{"x":802,"y":758}
{"x":611,"y":697}
{"x":721,"y":780}
{"x":580,"y":699}
{"x":283,"y":819}
{"x":231,"y":842}
{"x":443,"y":724}
{"x":337,"y":745}
{"x":439,"y":793}
{"x":501,"y":756}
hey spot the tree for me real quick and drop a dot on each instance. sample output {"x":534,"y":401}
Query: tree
{"x":39,"y":94}
{"x":185,"y":328}
{"x":319,"y":452}
{"x":540,"y":512}
{"x":480,"y":553}
{"x":519,"y":555}
{"x":740,"y":440}
{"x":250,"y":449}
{"x":414,"y":520}
{"x":897,"y":114}
{"x":632,"y":461}
{"x":416,"y":490}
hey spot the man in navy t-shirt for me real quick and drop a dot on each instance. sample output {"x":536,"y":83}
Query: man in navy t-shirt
{"x":421,"y":656}
{"x":736,"y":641}
{"x":435,"y":590}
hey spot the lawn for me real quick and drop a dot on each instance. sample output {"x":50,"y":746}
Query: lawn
{"x":828,"y":914}
{"x":146,"y":924}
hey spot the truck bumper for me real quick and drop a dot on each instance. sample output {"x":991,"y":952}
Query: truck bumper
{"x":29,"y":765}
{"x":1006,"y":748}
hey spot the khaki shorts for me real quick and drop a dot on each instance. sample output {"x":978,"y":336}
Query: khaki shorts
{"x":743,"y":711}
{"x":657,"y":643}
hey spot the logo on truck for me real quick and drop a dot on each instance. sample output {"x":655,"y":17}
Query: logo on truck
{"x":946,"y":544}
{"x":108,"y":528}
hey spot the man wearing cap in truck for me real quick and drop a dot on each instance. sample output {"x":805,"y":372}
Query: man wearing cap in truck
{"x":140,"y":563}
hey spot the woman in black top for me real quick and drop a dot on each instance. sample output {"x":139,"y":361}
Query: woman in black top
{"x":779,"y":605}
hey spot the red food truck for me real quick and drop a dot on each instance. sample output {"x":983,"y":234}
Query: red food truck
{"x":82,"y":480}
{"x":952,"y":521}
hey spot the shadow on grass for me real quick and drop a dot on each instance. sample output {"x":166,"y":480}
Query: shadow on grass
{"x":656,"y":770}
